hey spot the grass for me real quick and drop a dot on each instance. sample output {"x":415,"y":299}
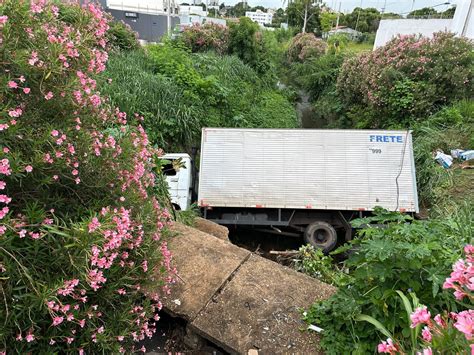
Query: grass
{"x":359,"y":47}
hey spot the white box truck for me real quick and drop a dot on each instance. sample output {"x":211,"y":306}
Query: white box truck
{"x":307,"y":181}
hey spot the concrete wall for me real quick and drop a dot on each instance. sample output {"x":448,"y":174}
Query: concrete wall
{"x":149,"y":27}
{"x":462,"y":24}
{"x":463,"y":21}
{"x":389,"y":29}
{"x":143,"y":6}
{"x":188,"y":20}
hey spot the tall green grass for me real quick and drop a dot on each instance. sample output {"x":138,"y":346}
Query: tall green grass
{"x":444,"y":190}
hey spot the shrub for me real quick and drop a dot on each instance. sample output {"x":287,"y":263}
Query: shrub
{"x":82,"y":235}
{"x":407,"y":79}
{"x":121,"y":36}
{"x":411,"y":257}
{"x":304,"y":46}
{"x":178,"y":93}
{"x":247,"y":43}
{"x":172,"y":118}
{"x":210,"y":36}
{"x":447,"y":332}
{"x":441,"y":189}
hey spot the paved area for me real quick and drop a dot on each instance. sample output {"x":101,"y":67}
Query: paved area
{"x":239,"y":300}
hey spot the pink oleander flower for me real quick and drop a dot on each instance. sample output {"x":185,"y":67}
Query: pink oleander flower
{"x":26,"y":90}
{"x":28,"y":168}
{"x":5,"y":199}
{"x":12,"y":84}
{"x":440,"y":321}
{"x":5,"y":167}
{"x":3,"y":126}
{"x":34,"y":58}
{"x":465,"y":323}
{"x":94,"y":224}
{"x":469,"y":249}
{"x":22,"y":79}
{"x":387,"y":347}
{"x":421,"y":315}
{"x":3,"y":19}
{"x":55,"y":133}
{"x":48,"y":96}
{"x":57,"y":321}
{"x":15,"y":113}
{"x":426,"y":334}
{"x":426,"y":351}
{"x":29,"y":336}
{"x":2,"y":185}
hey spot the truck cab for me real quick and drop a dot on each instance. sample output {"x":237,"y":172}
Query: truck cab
{"x":179,"y":180}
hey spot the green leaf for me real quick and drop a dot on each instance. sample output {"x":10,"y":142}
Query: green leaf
{"x":380,"y":327}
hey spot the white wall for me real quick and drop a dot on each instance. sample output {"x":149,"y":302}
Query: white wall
{"x":142,"y":6}
{"x":463,"y":21}
{"x":389,"y":29}
{"x":462,"y":24}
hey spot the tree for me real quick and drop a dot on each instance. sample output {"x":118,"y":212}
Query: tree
{"x":449,"y":13}
{"x":363,"y":20}
{"x":238,"y":10}
{"x":425,"y":12}
{"x":246,"y":41}
{"x":328,"y":20}
{"x":304,"y":14}
{"x":259,"y":7}
{"x":278,"y":17}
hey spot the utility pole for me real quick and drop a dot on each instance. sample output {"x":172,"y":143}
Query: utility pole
{"x":358,"y":15}
{"x":168,"y":17}
{"x":384,"y":7}
{"x":338,"y":14}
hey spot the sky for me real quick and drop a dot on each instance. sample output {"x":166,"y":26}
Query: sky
{"x":400,"y":6}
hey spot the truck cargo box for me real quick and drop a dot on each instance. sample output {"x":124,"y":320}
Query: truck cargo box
{"x":307,"y":169}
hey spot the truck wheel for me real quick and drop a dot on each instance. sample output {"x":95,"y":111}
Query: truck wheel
{"x":321,"y":235}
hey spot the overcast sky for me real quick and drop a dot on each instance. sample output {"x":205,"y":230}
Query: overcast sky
{"x":400,"y":6}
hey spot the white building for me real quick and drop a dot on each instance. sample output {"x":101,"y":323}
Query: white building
{"x":154,"y":7}
{"x":189,"y":20}
{"x":187,"y":10}
{"x":262,"y":18}
{"x":462,"y":24}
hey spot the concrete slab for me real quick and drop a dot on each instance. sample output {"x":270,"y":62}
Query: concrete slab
{"x":212,"y":228}
{"x":204,"y":264}
{"x":259,"y":309}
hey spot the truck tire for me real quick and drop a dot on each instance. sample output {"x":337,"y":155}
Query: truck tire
{"x":321,"y":235}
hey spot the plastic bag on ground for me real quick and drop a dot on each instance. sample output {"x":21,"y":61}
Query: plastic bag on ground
{"x":444,"y":159}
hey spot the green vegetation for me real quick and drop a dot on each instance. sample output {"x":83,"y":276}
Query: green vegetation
{"x":178,"y":92}
{"x":409,"y":83}
{"x":83,"y":227}
{"x":408,"y":255}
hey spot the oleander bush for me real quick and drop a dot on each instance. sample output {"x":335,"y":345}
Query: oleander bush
{"x":407,"y":80}
{"x":82,"y":230}
{"x":209,"y":36}
{"x":305,"y":46}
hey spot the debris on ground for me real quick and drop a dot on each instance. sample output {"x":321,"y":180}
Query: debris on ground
{"x":446,"y":160}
